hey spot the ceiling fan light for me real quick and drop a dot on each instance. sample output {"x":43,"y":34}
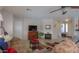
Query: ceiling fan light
{"x":67,"y":20}
{"x":64,"y":12}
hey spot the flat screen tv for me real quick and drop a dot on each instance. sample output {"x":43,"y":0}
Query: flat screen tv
{"x":32,"y":28}
{"x":48,"y":36}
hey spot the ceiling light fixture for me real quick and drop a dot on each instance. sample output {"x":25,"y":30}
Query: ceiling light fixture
{"x":28,"y":9}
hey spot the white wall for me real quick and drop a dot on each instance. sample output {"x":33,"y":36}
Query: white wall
{"x":21,"y":26}
{"x":76,"y":33}
{"x":18,"y":27}
{"x":30,"y":21}
{"x":55,"y":31}
{"x":48,"y":22}
{"x":8,"y":22}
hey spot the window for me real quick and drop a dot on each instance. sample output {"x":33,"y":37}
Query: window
{"x":64,"y":27}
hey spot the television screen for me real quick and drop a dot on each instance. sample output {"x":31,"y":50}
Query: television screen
{"x":32,"y":28}
{"x":47,"y":36}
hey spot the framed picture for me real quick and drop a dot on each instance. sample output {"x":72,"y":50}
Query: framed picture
{"x":47,"y":26}
{"x":77,"y":25}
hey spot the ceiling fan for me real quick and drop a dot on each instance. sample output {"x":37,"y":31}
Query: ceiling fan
{"x":63,"y":9}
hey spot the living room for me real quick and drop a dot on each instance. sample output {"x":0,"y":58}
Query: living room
{"x":48,"y":24}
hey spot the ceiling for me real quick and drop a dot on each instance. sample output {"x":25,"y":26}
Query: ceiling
{"x":38,"y":11}
{"x":35,"y":11}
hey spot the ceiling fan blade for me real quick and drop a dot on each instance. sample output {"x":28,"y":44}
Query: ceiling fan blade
{"x":75,"y":7}
{"x":55,"y":10}
{"x":62,"y":7}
